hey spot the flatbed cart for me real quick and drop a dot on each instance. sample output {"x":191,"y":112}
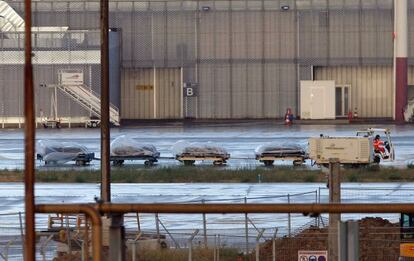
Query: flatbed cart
{"x":189,"y":159}
{"x":148,"y":160}
{"x":81,"y":159}
{"x":269,"y":159}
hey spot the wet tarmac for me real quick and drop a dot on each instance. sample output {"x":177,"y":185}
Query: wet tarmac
{"x":240,"y":140}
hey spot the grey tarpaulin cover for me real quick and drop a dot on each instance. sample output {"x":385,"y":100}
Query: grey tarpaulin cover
{"x":128,"y":147}
{"x":54,"y":151}
{"x":208,"y":149}
{"x":281,"y":149}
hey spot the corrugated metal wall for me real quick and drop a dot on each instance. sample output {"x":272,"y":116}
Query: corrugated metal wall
{"x":246,"y":56}
{"x":371,"y":87}
{"x":138,"y":89}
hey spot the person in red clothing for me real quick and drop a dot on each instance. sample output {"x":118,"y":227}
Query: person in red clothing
{"x":379,"y":145}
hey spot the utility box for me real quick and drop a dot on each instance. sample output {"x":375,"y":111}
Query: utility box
{"x":349,"y":150}
{"x":317,"y":100}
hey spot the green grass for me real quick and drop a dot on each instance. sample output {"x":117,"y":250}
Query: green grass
{"x":212,"y":174}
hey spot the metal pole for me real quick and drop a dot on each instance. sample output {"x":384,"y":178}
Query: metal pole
{"x":258,"y":244}
{"x":21,"y":231}
{"x":215,"y":248}
{"x":274,"y":245}
{"x":29,"y":137}
{"x":138,"y":223}
{"x":289,"y":218}
{"x":190,"y":245}
{"x":246,"y":228}
{"x":68,"y":236}
{"x":205,"y":227}
{"x":105,"y":131}
{"x":218,"y":247}
{"x":157,"y":226}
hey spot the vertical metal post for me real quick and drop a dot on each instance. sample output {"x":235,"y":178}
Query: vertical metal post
{"x":205,"y":227}
{"x":29,"y":137}
{"x":157,"y":226}
{"x":21,"y":231}
{"x":258,"y":244}
{"x":215,"y":248}
{"x":116,"y":238}
{"x":334,"y":197}
{"x":348,"y":241}
{"x":246,"y":227}
{"x":274,"y":245}
{"x":218,"y":247}
{"x":138,"y":223}
{"x":289,"y":218}
{"x":105,"y":131}
{"x":86,"y":240}
{"x":68,"y":236}
{"x":190,"y":245}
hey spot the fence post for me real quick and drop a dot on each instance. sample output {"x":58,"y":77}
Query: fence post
{"x":138,"y":223}
{"x":246,"y":227}
{"x":274,"y":245}
{"x":289,"y":218}
{"x":218,"y":247}
{"x":214,"y":249}
{"x":204,"y":227}
{"x":21,"y":232}
{"x":190,"y":245}
{"x":334,"y":197}
{"x":258,"y":244}
{"x":157,"y":226}
{"x":68,"y":236}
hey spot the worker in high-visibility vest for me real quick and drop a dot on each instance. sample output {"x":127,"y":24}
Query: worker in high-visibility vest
{"x":379,"y":145}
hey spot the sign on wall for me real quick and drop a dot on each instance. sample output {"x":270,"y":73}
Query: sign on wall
{"x":310,"y":255}
{"x":190,"y":89}
{"x":71,"y":77}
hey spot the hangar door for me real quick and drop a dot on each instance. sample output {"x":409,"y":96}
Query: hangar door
{"x":151,"y":93}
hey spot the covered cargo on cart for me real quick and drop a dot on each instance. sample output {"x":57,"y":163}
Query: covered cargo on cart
{"x":188,"y":153}
{"x":126,"y":148}
{"x":268,"y":153}
{"x":54,"y":152}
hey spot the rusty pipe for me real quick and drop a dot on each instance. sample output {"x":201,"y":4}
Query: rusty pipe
{"x":255,"y":208}
{"x":29,"y":138}
{"x":90,"y":212}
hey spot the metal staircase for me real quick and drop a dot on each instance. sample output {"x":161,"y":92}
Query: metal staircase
{"x":89,"y":100}
{"x":10,"y":20}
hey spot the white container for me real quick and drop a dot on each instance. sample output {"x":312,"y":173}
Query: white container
{"x":317,"y":100}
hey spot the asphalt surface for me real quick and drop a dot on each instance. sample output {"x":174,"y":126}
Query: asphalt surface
{"x":239,"y":139}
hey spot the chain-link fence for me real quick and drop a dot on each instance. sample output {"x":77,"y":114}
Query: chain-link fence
{"x":204,"y":59}
{"x":227,"y":235}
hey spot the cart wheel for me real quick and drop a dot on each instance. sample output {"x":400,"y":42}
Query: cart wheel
{"x":45,"y":125}
{"x":118,"y":163}
{"x":188,"y":162}
{"x":297,"y":162}
{"x":80,"y":163}
{"x":218,"y":162}
{"x":377,"y":159}
{"x":94,"y":125}
{"x":268,"y":163}
{"x":57,"y":125}
{"x":148,"y":163}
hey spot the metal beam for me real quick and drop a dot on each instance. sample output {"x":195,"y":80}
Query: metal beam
{"x":29,"y":138}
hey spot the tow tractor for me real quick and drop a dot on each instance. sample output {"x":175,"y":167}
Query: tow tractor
{"x":355,"y":151}
{"x":389,"y":153}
